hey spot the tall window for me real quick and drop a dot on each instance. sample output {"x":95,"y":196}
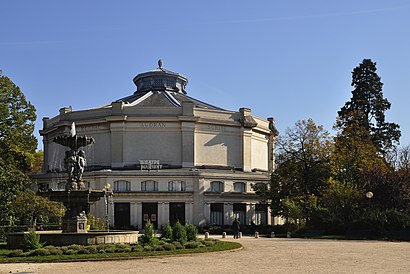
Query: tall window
{"x":149,"y":185}
{"x":261,"y":214}
{"x":122,"y":186}
{"x":239,"y":212}
{"x":217,"y":186}
{"x":217,"y":214}
{"x":239,"y":187}
{"x":61,"y":185}
{"x":176,"y":186}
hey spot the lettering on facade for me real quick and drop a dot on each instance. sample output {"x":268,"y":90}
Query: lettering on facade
{"x":150,"y":164}
{"x":90,"y":128}
{"x":216,"y":128}
{"x":153,"y":125}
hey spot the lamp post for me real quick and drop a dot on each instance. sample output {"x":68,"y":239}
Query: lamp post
{"x":107,"y":193}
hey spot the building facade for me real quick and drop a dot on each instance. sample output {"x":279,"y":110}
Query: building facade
{"x":168,"y":157}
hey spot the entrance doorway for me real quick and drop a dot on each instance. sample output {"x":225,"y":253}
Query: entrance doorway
{"x":150,"y":212}
{"x":122,"y":215}
{"x":176,"y":213}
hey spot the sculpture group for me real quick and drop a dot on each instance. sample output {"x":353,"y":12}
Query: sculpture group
{"x":74,"y":160}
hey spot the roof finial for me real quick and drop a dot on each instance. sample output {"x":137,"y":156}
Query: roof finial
{"x":160,"y":63}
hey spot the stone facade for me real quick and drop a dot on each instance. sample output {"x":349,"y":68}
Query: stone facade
{"x":167,"y":156}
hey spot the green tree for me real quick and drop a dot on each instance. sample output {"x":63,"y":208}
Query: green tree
{"x":17,"y":143}
{"x":366,"y":110}
{"x":302,"y":170}
{"x":28,"y":206}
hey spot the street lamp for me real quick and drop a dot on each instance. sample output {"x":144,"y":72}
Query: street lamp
{"x":369,"y":194}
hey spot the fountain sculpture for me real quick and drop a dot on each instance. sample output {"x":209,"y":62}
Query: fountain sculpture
{"x":77,"y":199}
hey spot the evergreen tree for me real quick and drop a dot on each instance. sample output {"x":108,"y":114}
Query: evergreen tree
{"x":365,"y":111}
{"x":17,"y":143}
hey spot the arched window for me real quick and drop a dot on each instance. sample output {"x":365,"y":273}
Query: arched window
{"x":149,"y":185}
{"x":217,"y":186}
{"x":176,"y":186}
{"x":122,"y":186}
{"x":239,"y":187}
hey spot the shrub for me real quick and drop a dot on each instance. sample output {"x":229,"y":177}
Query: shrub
{"x":178,"y":245}
{"x":137,"y":248}
{"x":149,"y":237}
{"x":148,"y":248}
{"x":32,"y":240}
{"x":169,"y":246}
{"x":54,"y":250}
{"x":191,"y":244}
{"x":16,"y":253}
{"x":191,"y":232}
{"x":92,"y":249}
{"x":83,"y":251}
{"x":179,"y":233}
{"x":122,"y":248}
{"x":39,"y":252}
{"x":69,"y":252}
{"x":167,"y":232}
{"x":159,"y":248}
{"x":75,"y":247}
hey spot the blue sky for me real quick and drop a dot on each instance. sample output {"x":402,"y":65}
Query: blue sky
{"x":289,"y":60}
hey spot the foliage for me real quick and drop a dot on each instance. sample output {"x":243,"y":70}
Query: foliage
{"x":32,"y":240}
{"x":179,"y":233}
{"x":17,"y":143}
{"x":366,"y":110}
{"x":302,"y":170}
{"x":191,"y":232}
{"x":167,"y":232}
{"x":95,"y":223}
{"x":31,"y":207}
{"x":149,"y":238}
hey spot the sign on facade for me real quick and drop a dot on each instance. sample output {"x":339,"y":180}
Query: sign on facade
{"x":150,"y":164}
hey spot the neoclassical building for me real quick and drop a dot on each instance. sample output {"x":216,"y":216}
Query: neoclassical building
{"x":167,"y":156}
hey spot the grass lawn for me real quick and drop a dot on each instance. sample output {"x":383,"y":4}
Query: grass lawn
{"x":217,"y":246}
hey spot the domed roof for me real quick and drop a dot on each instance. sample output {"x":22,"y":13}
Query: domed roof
{"x":160,"y":79}
{"x":161,"y":88}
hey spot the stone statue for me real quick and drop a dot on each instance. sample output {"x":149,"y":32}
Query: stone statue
{"x":74,"y":160}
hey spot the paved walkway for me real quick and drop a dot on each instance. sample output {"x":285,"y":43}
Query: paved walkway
{"x":263,"y":255}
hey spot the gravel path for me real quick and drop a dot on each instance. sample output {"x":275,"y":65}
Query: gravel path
{"x":263,"y":255}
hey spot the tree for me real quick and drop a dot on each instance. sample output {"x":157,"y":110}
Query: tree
{"x":366,"y":110}
{"x":17,"y":142}
{"x":302,"y":169}
{"x":28,"y":206}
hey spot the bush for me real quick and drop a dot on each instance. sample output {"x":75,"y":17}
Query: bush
{"x":149,"y":237}
{"x":192,"y":244}
{"x":83,"y":251}
{"x":16,"y":253}
{"x":137,"y":248}
{"x":179,"y":233}
{"x":148,"y":248}
{"x":191,"y":232}
{"x":92,"y":249}
{"x":159,"y":248}
{"x":54,"y":250}
{"x":32,"y":240}
{"x":178,"y":245}
{"x":75,"y":247}
{"x":39,"y":252}
{"x":122,"y":248}
{"x":169,"y":246}
{"x":70,"y":252}
{"x":167,"y":232}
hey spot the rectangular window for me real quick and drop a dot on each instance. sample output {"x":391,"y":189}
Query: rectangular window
{"x":217,"y":186}
{"x":239,"y":212}
{"x":149,"y":186}
{"x":217,"y":214}
{"x":122,"y":186}
{"x":176,"y":186}
{"x":239,"y":187}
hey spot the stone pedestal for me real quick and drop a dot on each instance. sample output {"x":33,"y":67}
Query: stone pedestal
{"x":76,"y":224}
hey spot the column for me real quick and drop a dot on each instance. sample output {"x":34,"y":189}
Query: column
{"x":207,"y":215}
{"x":134,"y":216}
{"x":163,"y":212}
{"x":188,"y":129}
{"x":189,"y":213}
{"x":228,"y":213}
{"x":250,"y":213}
{"x":138,"y":209}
